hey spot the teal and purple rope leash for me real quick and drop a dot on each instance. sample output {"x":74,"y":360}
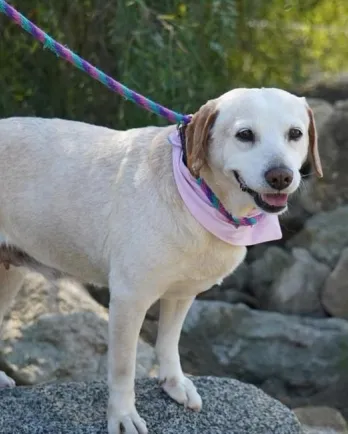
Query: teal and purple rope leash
{"x":215,"y":202}
{"x":91,"y":70}
{"x":124,"y":91}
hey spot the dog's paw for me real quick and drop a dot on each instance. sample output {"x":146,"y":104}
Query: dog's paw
{"x":183,"y":391}
{"x":6,"y":381}
{"x":130,"y":423}
{"x":123,"y":416}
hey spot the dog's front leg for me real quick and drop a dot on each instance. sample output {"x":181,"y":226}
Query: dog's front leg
{"x":173,"y":380}
{"x":126,"y":314}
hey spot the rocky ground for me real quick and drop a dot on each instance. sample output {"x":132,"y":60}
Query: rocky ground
{"x":80,"y":408}
{"x":280,"y":322}
{"x":58,"y":332}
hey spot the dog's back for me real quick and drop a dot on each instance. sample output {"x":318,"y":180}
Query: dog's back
{"x":61,"y":182}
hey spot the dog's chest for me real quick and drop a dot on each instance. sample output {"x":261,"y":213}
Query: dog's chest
{"x":202,"y":270}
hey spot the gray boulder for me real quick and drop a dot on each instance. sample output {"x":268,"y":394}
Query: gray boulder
{"x":303,"y":354}
{"x":331,"y":89}
{"x":298,"y":289}
{"x":325,"y":235}
{"x":80,"y":408}
{"x":236,"y":280}
{"x":57,"y":332}
{"x":265,"y":270}
{"x":232,"y":289}
{"x":288,"y":282}
{"x":316,"y":430}
{"x":321,"y":420}
{"x":335,"y":292}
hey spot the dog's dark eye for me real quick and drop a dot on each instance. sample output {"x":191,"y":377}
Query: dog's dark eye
{"x":245,"y":135}
{"x":295,"y":134}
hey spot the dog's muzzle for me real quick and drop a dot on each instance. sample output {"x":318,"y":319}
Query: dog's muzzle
{"x":268,"y":202}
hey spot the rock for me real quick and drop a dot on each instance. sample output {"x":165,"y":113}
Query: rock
{"x":256,"y":252}
{"x":266,"y":269}
{"x":146,"y":360}
{"x":153,"y":312}
{"x":324,"y":418}
{"x":229,"y":295}
{"x":298,"y":289}
{"x":335,"y":396}
{"x":331,"y":89}
{"x":233,"y":288}
{"x":288,"y":283}
{"x":305,"y":354}
{"x":80,"y":408}
{"x":322,"y":111}
{"x":236,"y":280}
{"x":325,"y":235}
{"x":58,"y":332}
{"x":335,"y":292}
{"x":309,"y":430}
{"x":149,"y":331}
{"x":100,"y":294}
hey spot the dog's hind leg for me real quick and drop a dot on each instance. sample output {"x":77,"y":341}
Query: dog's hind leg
{"x":10,"y":283}
{"x":173,"y":380}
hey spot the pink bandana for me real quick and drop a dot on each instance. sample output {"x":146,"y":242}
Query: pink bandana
{"x":266,"y":229}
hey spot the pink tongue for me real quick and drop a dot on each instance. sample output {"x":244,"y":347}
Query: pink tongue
{"x":275,"y":199}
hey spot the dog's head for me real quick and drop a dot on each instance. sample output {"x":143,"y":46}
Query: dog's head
{"x":258,"y":139}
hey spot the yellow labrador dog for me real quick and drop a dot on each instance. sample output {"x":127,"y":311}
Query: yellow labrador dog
{"x":154,"y":213}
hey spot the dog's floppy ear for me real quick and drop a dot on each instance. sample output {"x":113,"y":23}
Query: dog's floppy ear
{"x":313,"y":144}
{"x":197,"y":136}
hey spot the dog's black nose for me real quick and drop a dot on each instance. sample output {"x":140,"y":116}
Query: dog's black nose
{"x":279,"y":177}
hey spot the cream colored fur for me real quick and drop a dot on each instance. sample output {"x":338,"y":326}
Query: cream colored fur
{"x":102,"y":206}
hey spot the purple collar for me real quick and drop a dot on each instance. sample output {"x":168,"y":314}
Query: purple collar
{"x":211,"y":214}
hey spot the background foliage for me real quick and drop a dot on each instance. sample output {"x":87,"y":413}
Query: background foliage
{"x":179,"y":53}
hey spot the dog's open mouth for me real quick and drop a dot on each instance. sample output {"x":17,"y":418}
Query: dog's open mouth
{"x":268,"y":202}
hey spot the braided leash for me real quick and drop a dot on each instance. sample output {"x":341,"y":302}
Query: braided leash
{"x":91,"y":70}
{"x":122,"y":90}
{"x":215,"y":202}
